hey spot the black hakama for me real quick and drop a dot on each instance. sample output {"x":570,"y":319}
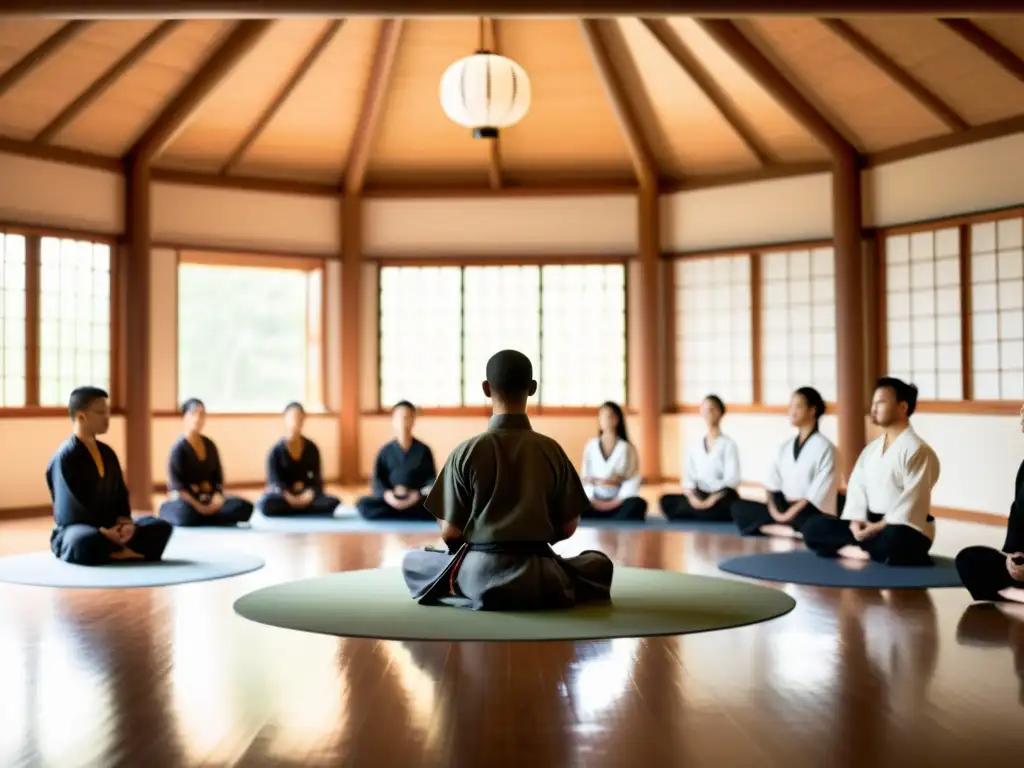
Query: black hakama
{"x":84,"y":501}
{"x":750,"y":516}
{"x":376,"y":508}
{"x":675,"y":506}
{"x":235,"y":510}
{"x":895,"y":544}
{"x":983,"y":569}
{"x":632,"y":509}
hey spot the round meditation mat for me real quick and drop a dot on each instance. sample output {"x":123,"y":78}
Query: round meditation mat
{"x":375,"y":603}
{"x":805,"y":567}
{"x":42,"y":569}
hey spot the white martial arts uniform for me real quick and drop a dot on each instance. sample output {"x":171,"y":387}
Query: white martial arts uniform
{"x":715,"y":470}
{"x":811,"y":475}
{"x":622,"y":462}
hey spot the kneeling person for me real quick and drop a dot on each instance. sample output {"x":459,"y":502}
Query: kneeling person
{"x":501,"y":499}
{"x":611,"y":470}
{"x":195,"y":478}
{"x":402,"y":473}
{"x":91,"y":511}
{"x":887,"y":515}
{"x":294,"y":479}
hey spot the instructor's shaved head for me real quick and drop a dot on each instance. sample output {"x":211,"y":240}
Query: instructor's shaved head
{"x":510,"y":377}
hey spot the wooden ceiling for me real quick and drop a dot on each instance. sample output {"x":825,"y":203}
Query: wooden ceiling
{"x":288,"y":99}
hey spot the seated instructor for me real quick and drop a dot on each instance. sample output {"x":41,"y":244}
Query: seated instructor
{"x":802,"y":480}
{"x":295,"y":485}
{"x":990,"y":574}
{"x":502,"y":498}
{"x":91,"y":512}
{"x":195,"y":479}
{"x":887,"y":515}
{"x":402,"y":472}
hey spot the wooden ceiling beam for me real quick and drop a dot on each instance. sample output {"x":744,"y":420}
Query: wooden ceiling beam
{"x":639,"y":152}
{"x":986,"y":44}
{"x":107,"y":79}
{"x":28,"y":63}
{"x":745,"y":53}
{"x":377,"y":86}
{"x":494,"y":170}
{"x":727,"y":108}
{"x":175,"y":115}
{"x":250,"y":9}
{"x":293,"y":81}
{"x":921,"y":93}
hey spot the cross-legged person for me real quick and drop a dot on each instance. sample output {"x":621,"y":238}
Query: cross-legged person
{"x":887,"y":514}
{"x":91,"y":511}
{"x":611,"y":470}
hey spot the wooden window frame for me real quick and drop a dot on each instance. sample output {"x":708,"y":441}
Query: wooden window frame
{"x":755,"y":254}
{"x":33,"y":239}
{"x":258,"y":260}
{"x":964,"y":222}
{"x":522,"y":261}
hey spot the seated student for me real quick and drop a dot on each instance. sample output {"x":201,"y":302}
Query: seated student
{"x":91,"y":512}
{"x":294,"y":483}
{"x":711,"y":475}
{"x":611,"y":470}
{"x":887,"y":515}
{"x":990,"y":574}
{"x":195,"y":479}
{"x":402,"y":473}
{"x":802,"y":480}
{"x":501,"y":499}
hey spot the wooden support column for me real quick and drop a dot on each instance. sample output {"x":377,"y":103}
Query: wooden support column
{"x":849,"y":280}
{"x":644,"y":394}
{"x":351,"y":279}
{"x":649,"y":387}
{"x":136,"y":257}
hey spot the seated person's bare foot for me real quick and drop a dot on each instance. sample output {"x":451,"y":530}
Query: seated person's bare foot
{"x":851,"y":552}
{"x":777,"y":529}
{"x":1016,"y":594}
{"x":126,"y":554}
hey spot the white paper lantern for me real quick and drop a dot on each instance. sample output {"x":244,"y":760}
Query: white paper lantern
{"x":485,"y":92}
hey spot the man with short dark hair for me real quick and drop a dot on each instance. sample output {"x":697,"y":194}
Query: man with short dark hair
{"x":887,"y":516}
{"x":501,"y":499}
{"x":91,"y":512}
{"x":403,"y":473}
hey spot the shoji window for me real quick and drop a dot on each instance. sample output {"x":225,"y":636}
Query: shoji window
{"x":922,"y":298}
{"x":798,"y":333}
{"x":713,"y":329}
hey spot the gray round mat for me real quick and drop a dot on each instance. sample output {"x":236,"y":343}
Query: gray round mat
{"x":42,"y":569}
{"x":375,"y":603}
{"x":802,"y":566}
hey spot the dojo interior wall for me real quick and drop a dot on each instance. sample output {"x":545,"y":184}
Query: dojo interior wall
{"x":40,"y":193}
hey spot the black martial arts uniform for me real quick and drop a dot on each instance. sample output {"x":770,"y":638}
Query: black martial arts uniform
{"x":414,"y":469}
{"x":203,"y":479}
{"x":84,"y":501}
{"x":296,"y":476}
{"x":983,"y":569}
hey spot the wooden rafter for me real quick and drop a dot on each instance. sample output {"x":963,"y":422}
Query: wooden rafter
{"x":639,"y":152}
{"x":988,"y":45}
{"x":281,"y":97}
{"x":107,"y":79}
{"x":723,"y":102}
{"x":746,"y":54}
{"x":921,"y":93}
{"x":27,"y":63}
{"x":494,"y":171}
{"x":174,"y":116}
{"x":377,"y":87}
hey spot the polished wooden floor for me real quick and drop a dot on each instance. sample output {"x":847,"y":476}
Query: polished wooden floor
{"x":172,"y":677}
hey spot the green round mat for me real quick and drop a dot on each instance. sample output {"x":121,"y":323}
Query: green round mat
{"x":375,"y":603}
